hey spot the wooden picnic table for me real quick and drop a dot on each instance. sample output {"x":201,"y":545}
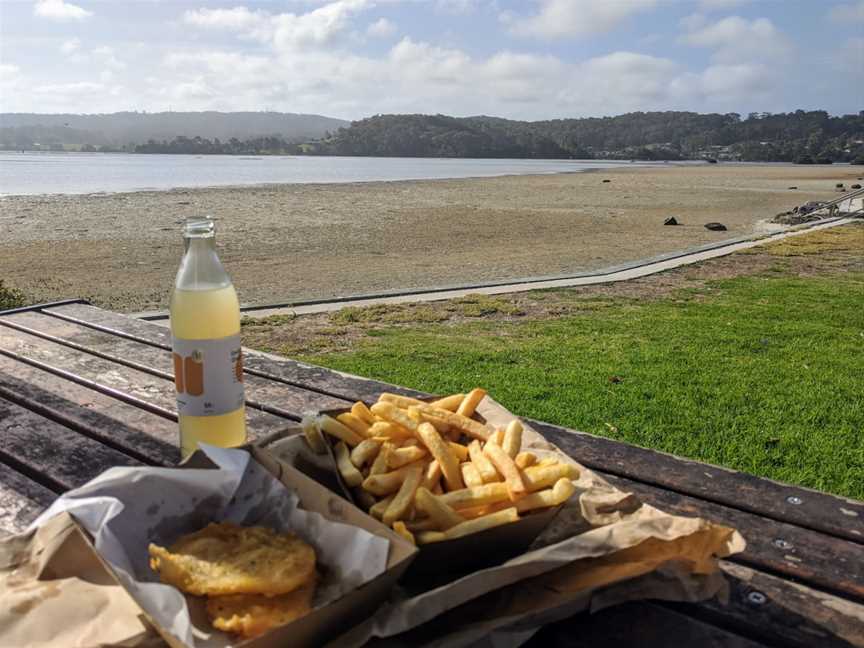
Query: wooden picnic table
{"x":83,"y":389}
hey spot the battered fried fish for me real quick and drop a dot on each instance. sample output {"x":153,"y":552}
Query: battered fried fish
{"x":224,"y":558}
{"x":250,"y":615}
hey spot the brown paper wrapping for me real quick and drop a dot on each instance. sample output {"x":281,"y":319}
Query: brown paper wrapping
{"x":622,"y":550}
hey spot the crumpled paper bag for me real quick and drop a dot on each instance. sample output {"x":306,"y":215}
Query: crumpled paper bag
{"x":124,"y":509}
{"x":604,"y":547}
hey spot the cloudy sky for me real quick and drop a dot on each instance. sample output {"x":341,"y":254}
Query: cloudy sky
{"x":525,"y":59}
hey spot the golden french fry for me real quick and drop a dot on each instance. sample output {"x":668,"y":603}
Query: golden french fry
{"x":513,"y":438}
{"x":459,"y":450}
{"x":412,"y":442}
{"x":362,"y":412}
{"x":313,"y":435}
{"x":548,"y":461}
{"x":385,"y":483}
{"x":359,"y":426}
{"x":377,"y":509}
{"x":505,"y":465}
{"x":382,"y":461}
{"x":402,"y":402}
{"x":481,"y":462}
{"x":482,"y":523}
{"x":449,"y":402}
{"x":469,"y":426}
{"x":395,"y":415}
{"x":476,"y":495}
{"x":422,"y":524}
{"x":525,"y":459}
{"x":479,"y":511}
{"x":400,"y":528}
{"x":558,"y":494}
{"x":389,"y":430}
{"x":365,"y":452}
{"x":334,"y":428}
{"x":543,"y":476}
{"x":470,"y":402}
{"x":442,"y":453}
{"x":425,"y":537}
{"x":470,"y":474}
{"x":497,"y":437}
{"x":349,"y":473}
{"x":405,"y":497}
{"x":433,"y":475}
{"x":440,"y":424}
{"x":434,"y":508}
{"x":364,"y":499}
{"x":403,"y":456}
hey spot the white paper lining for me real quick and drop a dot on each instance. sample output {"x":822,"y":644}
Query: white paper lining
{"x":125,"y":509}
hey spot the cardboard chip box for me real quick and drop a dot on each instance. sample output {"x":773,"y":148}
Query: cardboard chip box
{"x":459,"y":555}
{"x":322,"y":624}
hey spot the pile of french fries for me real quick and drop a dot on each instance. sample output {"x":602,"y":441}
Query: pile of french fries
{"x":432,"y":472}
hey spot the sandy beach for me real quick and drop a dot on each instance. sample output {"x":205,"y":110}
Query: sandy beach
{"x":288,"y":242}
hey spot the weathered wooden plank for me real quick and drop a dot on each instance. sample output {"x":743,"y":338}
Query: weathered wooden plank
{"x":53,"y":455}
{"x":21,"y":500}
{"x":827,"y":562}
{"x":777,"y":611}
{"x":291,"y":400}
{"x":642,"y":624}
{"x":144,"y":386}
{"x":811,"y":509}
{"x":144,"y":435}
{"x":274,"y":367}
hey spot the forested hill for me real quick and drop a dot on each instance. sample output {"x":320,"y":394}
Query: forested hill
{"x":123,"y":128}
{"x":798,"y":136}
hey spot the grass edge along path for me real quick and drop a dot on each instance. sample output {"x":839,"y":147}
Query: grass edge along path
{"x":763,"y":374}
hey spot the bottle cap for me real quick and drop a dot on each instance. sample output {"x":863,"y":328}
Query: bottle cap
{"x":199,"y":227}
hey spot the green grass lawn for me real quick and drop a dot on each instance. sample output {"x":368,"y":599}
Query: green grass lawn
{"x":759,"y":373}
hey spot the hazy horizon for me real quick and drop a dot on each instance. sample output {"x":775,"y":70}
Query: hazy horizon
{"x":350,"y":59}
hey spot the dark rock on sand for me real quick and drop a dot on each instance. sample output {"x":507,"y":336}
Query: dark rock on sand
{"x":716,"y":227}
{"x":793,"y":187}
{"x":607,"y":181}
{"x":839,"y":185}
{"x":670,"y":221}
{"x":856,"y":186}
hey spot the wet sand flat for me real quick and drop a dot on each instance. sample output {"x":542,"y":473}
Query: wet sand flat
{"x":288,"y":242}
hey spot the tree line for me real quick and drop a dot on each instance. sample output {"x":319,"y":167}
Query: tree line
{"x":800,"y":136}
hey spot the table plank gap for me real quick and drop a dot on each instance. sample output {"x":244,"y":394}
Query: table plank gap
{"x":132,"y":386}
{"x":51,"y":454}
{"x":285,"y":370}
{"x":778,"y":612}
{"x":262,"y":394}
{"x":810,"y":509}
{"x":824,"y":561}
{"x":21,"y":499}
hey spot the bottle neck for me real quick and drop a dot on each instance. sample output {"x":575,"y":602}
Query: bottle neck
{"x":200,"y":268}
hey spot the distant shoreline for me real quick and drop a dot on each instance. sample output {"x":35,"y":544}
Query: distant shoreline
{"x":292,"y":242}
{"x":307,"y":170}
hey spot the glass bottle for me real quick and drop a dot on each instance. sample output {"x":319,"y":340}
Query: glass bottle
{"x":205,"y":332}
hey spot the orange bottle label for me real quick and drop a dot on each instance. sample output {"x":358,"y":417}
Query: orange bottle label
{"x":208,"y":376}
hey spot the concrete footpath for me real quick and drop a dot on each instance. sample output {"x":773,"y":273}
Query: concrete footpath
{"x":634,"y":270}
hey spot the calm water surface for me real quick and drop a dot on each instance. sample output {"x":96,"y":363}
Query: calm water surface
{"x":81,"y":173}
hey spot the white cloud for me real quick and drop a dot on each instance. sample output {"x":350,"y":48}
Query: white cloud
{"x":575,"y":18}
{"x":381,"y":28}
{"x":847,"y":12}
{"x":715,"y":5}
{"x":738,"y":80}
{"x":458,"y":7}
{"x":286,"y":31}
{"x":60,"y":10}
{"x":240,"y":19}
{"x":70,"y":46}
{"x":105,"y":55}
{"x":735,"y":40}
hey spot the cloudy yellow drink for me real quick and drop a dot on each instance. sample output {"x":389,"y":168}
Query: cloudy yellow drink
{"x":205,"y":329}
